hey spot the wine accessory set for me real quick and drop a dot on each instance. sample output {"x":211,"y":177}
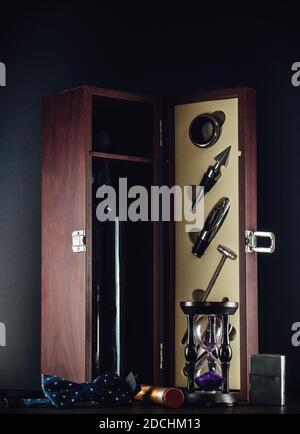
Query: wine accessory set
{"x":89,"y":138}
{"x":207,"y":339}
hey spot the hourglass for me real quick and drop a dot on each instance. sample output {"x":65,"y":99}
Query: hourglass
{"x":208,"y":352}
{"x":208,"y":372}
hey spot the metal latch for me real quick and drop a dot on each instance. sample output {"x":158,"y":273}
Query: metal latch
{"x":78,"y":241}
{"x":251,"y":242}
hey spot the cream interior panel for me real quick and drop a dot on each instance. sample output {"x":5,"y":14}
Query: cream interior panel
{"x":192,"y":273}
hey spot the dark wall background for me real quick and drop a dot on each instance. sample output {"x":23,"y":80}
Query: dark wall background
{"x":48,"y":48}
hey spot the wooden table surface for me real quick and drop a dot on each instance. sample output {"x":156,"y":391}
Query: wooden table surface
{"x":292,"y":407}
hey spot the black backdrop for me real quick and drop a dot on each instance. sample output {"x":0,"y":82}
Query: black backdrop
{"x":48,"y":48}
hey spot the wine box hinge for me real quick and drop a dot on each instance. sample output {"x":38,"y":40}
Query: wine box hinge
{"x":252,"y":242}
{"x":160,"y":133}
{"x":78,"y":241}
{"x":161,"y":356}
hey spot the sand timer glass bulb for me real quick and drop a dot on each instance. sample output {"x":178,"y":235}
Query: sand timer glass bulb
{"x":208,"y":370}
{"x":202,"y":332}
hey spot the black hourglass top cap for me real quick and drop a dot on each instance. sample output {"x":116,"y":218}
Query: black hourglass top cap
{"x":208,"y":307}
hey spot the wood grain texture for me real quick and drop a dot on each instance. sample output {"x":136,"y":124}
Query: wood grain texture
{"x":120,"y":94}
{"x":64,"y":344}
{"x":111,"y":94}
{"x":67,"y":293}
{"x":157,"y":316}
{"x":108,"y":156}
{"x":170,"y":249}
{"x":248,"y":220}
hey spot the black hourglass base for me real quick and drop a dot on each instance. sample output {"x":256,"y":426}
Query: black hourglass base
{"x":210,"y":399}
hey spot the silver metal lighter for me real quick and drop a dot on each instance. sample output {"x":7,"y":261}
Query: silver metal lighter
{"x":267,"y":379}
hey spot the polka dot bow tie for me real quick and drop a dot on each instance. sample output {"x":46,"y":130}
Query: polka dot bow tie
{"x":107,"y":388}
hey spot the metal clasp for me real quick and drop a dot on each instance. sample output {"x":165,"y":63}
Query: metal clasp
{"x":251,"y":242}
{"x":78,"y":241}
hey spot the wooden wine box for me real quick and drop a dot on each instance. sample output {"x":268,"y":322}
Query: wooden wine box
{"x":111,"y":290}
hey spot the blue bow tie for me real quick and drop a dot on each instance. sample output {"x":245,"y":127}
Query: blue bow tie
{"x":107,"y":388}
